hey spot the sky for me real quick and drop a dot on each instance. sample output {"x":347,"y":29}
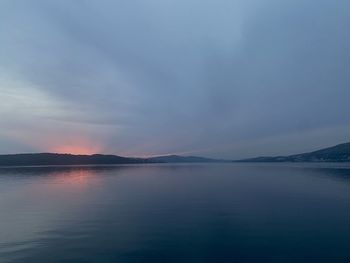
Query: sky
{"x":215,"y":78}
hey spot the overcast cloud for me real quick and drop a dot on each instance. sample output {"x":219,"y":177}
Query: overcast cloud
{"x":232,"y":79}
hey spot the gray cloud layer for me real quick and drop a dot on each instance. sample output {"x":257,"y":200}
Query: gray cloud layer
{"x":215,"y":78}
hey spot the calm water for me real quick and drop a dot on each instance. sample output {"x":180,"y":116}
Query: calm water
{"x":176,"y":213}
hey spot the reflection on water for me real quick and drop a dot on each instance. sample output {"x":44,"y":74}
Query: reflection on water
{"x":176,"y":213}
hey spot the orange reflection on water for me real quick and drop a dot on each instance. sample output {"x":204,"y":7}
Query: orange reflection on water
{"x":74,"y":176}
{"x":65,"y":185}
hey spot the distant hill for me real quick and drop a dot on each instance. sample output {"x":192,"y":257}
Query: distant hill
{"x":95,"y":159}
{"x":64,"y":159}
{"x":338,"y":153}
{"x":182,"y":159}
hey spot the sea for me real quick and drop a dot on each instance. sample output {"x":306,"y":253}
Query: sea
{"x":162,"y":213}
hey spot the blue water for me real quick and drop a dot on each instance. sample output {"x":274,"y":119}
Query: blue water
{"x":176,"y":213}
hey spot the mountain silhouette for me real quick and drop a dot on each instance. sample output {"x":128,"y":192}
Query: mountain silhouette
{"x":32,"y":159}
{"x":338,"y":153}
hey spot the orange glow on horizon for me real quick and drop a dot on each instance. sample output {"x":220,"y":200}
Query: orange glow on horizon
{"x":75,"y":149}
{"x":75,"y":145}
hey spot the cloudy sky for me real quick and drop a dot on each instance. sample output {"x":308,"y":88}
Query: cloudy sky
{"x":217,"y":78}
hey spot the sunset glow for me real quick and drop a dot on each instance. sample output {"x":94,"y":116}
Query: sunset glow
{"x":76,"y":149}
{"x":75,"y":145}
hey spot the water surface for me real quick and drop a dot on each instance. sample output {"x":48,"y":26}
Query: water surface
{"x":176,"y":213}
